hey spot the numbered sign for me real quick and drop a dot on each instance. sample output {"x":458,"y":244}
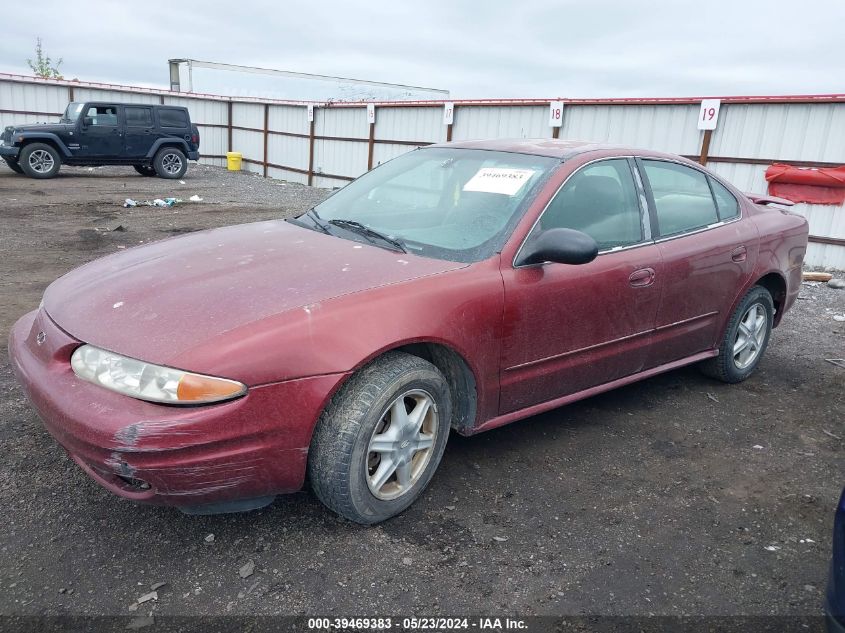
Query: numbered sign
{"x":371,"y":113}
{"x":709,"y":114}
{"x":448,"y":113}
{"x":556,"y":114}
{"x":310,"y":113}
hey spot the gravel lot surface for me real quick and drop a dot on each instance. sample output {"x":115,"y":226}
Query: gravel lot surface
{"x":677,"y":495}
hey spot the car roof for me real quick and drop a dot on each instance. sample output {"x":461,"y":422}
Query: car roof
{"x":554,"y":148}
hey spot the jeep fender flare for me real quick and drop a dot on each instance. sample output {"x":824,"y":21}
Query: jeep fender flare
{"x":45,"y":136}
{"x":178,"y":142}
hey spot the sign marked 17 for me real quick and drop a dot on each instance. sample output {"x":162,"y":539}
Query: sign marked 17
{"x":709,"y":114}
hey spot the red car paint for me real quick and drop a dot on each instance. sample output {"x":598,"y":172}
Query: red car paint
{"x":293,"y":313}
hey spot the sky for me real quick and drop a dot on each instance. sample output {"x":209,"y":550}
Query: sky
{"x":475,"y":49}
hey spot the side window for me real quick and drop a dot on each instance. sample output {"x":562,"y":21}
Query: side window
{"x":102,"y":115}
{"x":170,"y":117}
{"x":728,"y":206}
{"x":138,"y":117}
{"x":601,"y":201}
{"x":681,"y":196}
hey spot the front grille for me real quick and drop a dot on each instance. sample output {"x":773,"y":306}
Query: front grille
{"x":7,"y":135}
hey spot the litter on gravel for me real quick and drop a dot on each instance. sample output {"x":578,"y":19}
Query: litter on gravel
{"x":246,"y":569}
{"x":153,"y":595}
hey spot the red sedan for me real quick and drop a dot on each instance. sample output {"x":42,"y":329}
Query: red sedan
{"x":461,"y":286}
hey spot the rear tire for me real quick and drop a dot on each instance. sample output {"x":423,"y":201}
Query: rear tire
{"x":379,"y":441}
{"x":745,"y":340}
{"x":170,"y":163}
{"x":144,"y":170}
{"x":39,"y":160}
{"x":13,"y":165}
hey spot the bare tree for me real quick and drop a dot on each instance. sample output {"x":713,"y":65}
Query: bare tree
{"x":43,"y":66}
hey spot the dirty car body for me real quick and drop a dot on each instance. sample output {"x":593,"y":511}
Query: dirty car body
{"x":295,"y":311}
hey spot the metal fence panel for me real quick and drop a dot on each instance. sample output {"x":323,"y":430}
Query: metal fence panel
{"x":479,"y":122}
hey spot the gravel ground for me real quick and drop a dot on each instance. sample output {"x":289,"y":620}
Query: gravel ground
{"x":674,"y":496}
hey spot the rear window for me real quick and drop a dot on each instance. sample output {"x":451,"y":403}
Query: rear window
{"x":169,"y":117}
{"x":728,"y":206}
{"x":138,"y":117}
{"x":682,"y":197}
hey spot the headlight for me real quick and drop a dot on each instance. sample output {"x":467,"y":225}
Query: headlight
{"x":153,"y":383}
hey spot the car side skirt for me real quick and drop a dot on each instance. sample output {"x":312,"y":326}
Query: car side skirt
{"x":592,"y":391}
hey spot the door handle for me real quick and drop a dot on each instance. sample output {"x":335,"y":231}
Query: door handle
{"x":739,"y":254}
{"x":641,"y":277}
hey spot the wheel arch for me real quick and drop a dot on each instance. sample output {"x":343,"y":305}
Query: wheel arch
{"x":775,"y":283}
{"x":161,"y":143}
{"x":48,"y":139}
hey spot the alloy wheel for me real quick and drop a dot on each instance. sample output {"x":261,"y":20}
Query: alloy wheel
{"x":402,"y":444}
{"x":171,"y":163}
{"x":750,"y":336}
{"x":40,"y":161}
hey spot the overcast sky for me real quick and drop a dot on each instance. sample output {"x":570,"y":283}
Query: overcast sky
{"x":481,"y":48}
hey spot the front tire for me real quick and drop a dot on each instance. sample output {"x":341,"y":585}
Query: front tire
{"x":378,"y":443}
{"x":170,"y":163}
{"x":13,"y":165}
{"x":39,"y":160}
{"x":745,"y":340}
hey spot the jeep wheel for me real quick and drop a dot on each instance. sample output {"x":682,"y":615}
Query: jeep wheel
{"x":13,"y":165}
{"x":144,"y":170}
{"x":170,"y":163}
{"x":39,"y":160}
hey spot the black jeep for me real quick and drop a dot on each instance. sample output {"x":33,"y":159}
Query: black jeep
{"x":154,"y":139}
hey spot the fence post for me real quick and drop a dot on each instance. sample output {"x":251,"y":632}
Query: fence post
{"x":70,"y":94}
{"x":705,"y":147}
{"x":266,"y":134}
{"x":229,"y":126}
{"x":311,"y":150}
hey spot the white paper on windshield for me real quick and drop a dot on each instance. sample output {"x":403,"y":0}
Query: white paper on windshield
{"x":499,"y":180}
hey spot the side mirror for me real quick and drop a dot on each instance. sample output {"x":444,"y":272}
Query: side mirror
{"x":561,"y":246}
{"x":86,"y":121}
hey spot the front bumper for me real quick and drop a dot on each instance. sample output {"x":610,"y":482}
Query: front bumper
{"x":9,"y":151}
{"x":195,"y":458}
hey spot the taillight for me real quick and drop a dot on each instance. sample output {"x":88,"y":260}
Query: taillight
{"x":194,"y":139}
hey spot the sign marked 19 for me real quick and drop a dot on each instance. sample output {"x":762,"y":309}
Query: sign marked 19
{"x":709,"y":114}
{"x":556,"y":114}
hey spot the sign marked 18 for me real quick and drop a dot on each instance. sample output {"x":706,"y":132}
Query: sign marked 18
{"x":556,"y":114}
{"x":709,"y":114}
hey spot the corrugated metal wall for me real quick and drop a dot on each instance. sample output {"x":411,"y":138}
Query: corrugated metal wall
{"x":276,"y":138}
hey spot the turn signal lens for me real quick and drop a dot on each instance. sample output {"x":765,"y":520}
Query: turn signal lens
{"x":152,"y":383}
{"x":196,"y":388}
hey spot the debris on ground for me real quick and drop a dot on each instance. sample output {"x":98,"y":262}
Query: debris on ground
{"x":839,"y":362}
{"x":128,"y":203}
{"x":812,"y":276}
{"x":153,"y":595}
{"x":833,"y":435}
{"x":119,"y":228}
{"x":158,"y":202}
{"x":836,"y":284}
{"x":195,"y":198}
{"x":246,"y":569}
{"x":209,"y":538}
{"x":839,"y":317}
{"x":501,"y":539}
{"x":712,"y":397}
{"x":157,"y":585}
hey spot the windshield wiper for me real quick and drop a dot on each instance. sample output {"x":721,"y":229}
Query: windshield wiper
{"x":317,"y":220}
{"x":362,"y":229}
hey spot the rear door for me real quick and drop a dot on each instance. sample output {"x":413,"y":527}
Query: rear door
{"x":101,"y":131}
{"x":173,"y":122}
{"x":569,"y":328}
{"x":140,"y":129}
{"x":708,"y":253}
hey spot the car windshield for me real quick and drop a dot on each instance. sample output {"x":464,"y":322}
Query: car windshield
{"x":72,"y":112}
{"x":447,"y":203}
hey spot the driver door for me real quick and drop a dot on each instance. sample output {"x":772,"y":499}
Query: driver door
{"x":101,"y":132}
{"x":568,"y":328}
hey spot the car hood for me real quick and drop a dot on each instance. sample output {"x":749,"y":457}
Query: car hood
{"x":158,"y":301}
{"x":39,"y":127}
